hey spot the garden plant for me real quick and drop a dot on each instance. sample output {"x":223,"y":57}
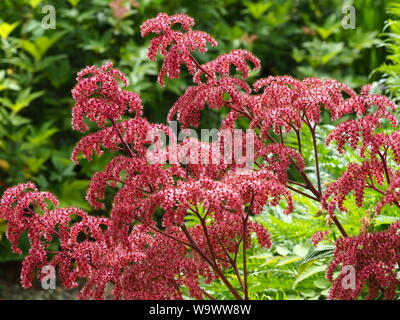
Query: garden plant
{"x":179,"y":216}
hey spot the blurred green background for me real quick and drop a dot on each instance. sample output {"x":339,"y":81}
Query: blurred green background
{"x":38,"y":68}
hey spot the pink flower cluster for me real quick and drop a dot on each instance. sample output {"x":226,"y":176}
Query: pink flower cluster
{"x":356,"y":178}
{"x":377,"y":148}
{"x":135,"y":264}
{"x":175,"y":45}
{"x":99,"y":97}
{"x":287,"y":103}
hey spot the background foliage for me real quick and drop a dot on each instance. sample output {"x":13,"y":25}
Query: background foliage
{"x":295,"y":37}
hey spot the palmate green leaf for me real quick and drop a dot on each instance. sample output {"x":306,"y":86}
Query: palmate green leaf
{"x":308,"y":293}
{"x":31,"y":48}
{"x":39,"y":136}
{"x":51,"y":61}
{"x":318,"y":253}
{"x":35,"y":163}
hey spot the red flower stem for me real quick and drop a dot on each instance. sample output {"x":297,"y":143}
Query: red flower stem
{"x":310,"y":186}
{"x":127,"y":147}
{"x":297,"y":183}
{"x":194,"y":245}
{"x":164,"y":233}
{"x":334,"y":218}
{"x":298,"y":140}
{"x":198,"y":65}
{"x":303,"y":193}
{"x":373,"y":187}
{"x":384,"y":162}
{"x":383,"y":159}
{"x":312,"y":129}
{"x":339,"y":226}
{"x":206,"y":235}
{"x":232,"y":263}
{"x":246,"y":288}
{"x":210,"y":248}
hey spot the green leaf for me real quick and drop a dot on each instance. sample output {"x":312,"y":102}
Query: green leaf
{"x":293,"y":297}
{"x":7,"y":83}
{"x":34,"y":3}
{"x":35,"y":163}
{"x":282,"y":250}
{"x":73,"y":194}
{"x":3,"y":226}
{"x":300,"y":250}
{"x":318,"y":253}
{"x":309,"y":293}
{"x":6,"y":29}
{"x":74,"y":3}
{"x":42,"y":137}
{"x":23,"y":100}
{"x":330,"y":27}
{"x":287,"y":260}
{"x":40,"y":45}
{"x":273,"y":260}
{"x":383,"y":219}
{"x":257,"y":9}
{"x":321,"y":283}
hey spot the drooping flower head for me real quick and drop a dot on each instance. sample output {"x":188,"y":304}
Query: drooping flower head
{"x":99,"y":97}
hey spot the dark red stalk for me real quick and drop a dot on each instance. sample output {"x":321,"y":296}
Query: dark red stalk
{"x":212,"y":265}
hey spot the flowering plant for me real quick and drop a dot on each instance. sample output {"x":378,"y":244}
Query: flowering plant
{"x":182,"y":214}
